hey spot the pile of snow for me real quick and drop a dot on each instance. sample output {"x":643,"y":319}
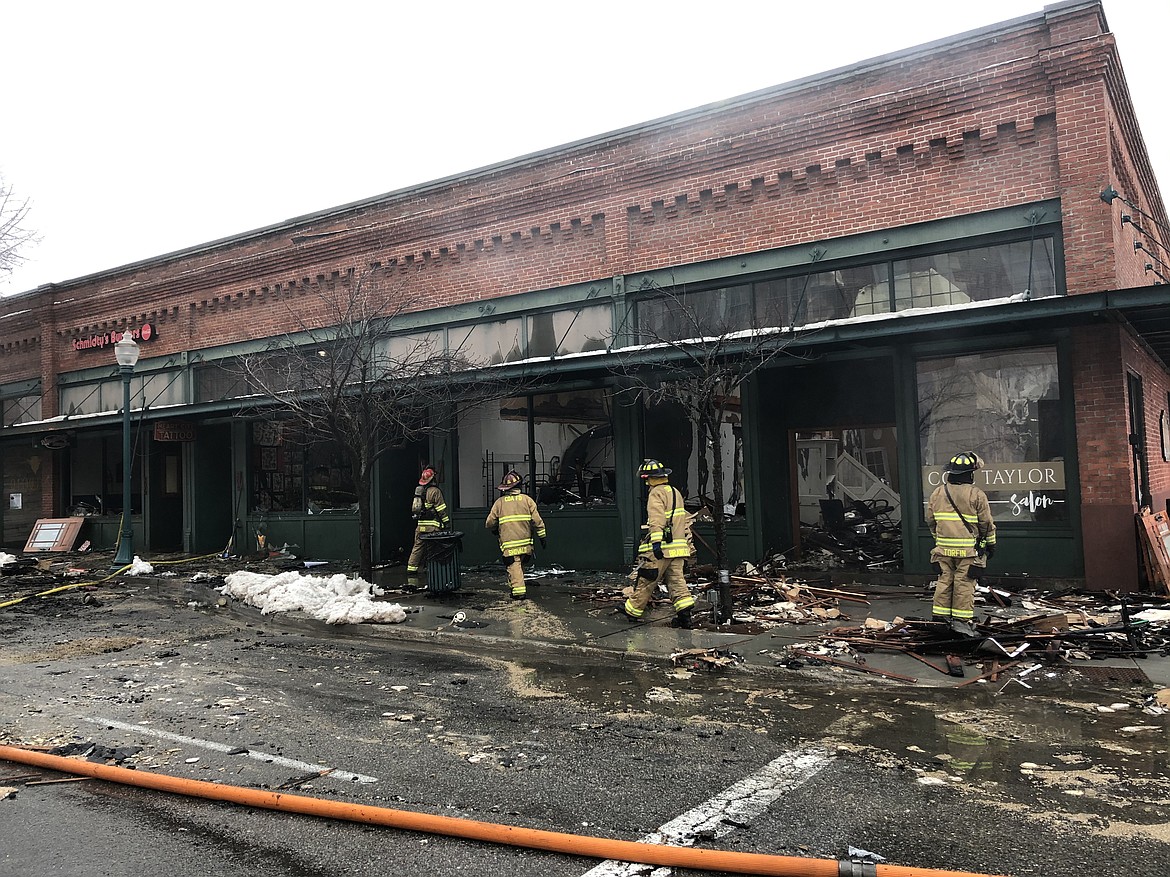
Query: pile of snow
{"x":139,"y":567}
{"x":335,"y":599}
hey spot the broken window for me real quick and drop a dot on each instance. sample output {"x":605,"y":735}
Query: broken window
{"x":852,"y":468}
{"x":825,"y":295}
{"x":490,"y":343}
{"x":878,"y":287}
{"x":560,"y":443}
{"x":675,"y":440}
{"x":570,"y":331}
{"x":1006,"y":407}
{"x":95,"y":475}
{"x":978,"y":274}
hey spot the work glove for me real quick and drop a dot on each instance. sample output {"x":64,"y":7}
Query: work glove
{"x":657,"y":549}
{"x":989,"y":550}
{"x":543,"y":541}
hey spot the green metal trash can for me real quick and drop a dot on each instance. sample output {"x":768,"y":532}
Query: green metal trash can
{"x":442,"y":553}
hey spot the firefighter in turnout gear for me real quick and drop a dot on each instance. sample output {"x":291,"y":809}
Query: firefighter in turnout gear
{"x":959,"y":518}
{"x":515,"y":519}
{"x":664,"y":549}
{"x":429,"y":510}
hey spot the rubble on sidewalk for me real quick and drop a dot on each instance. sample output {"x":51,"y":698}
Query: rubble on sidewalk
{"x":709,"y":659}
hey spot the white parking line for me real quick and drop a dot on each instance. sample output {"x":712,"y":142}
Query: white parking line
{"x":737,"y":805}
{"x":302,"y":766}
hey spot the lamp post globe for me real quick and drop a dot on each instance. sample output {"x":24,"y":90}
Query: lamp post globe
{"x":126,"y":352}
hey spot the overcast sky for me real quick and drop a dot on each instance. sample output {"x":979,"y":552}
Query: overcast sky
{"x":139,"y":128}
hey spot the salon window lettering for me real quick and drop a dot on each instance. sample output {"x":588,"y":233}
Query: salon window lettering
{"x":1026,"y":491}
{"x":1031,"y":502}
{"x":1006,"y":407}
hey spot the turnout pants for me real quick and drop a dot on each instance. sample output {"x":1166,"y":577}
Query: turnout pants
{"x":417,"y":553}
{"x":670,"y":572}
{"x":515,"y":566}
{"x":954,"y":594}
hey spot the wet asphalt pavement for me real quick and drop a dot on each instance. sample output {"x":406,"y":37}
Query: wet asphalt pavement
{"x":548,"y":713}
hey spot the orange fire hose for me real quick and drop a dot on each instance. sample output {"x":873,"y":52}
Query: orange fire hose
{"x":554,"y":841}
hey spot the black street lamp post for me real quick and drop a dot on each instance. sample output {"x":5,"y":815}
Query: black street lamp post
{"x":126,"y":352}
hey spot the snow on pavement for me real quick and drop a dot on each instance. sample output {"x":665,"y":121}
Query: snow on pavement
{"x":335,"y":599}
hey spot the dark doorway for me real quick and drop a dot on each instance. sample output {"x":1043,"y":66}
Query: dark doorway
{"x":211,"y":500}
{"x":828,"y":430}
{"x":399,"y":469}
{"x":1137,"y":440}
{"x":165,"y":508}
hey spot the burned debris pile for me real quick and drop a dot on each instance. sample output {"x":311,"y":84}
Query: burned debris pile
{"x":864,"y":536}
{"x":1014,"y":635}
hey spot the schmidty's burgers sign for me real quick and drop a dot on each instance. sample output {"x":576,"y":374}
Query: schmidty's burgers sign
{"x":145,"y":332}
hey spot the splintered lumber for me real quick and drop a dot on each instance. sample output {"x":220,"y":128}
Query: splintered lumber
{"x":931,"y":664}
{"x":848,"y":596}
{"x":1000,"y":668}
{"x":852,"y":666}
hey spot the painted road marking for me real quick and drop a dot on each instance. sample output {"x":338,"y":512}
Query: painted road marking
{"x":737,"y":805}
{"x":221,"y":747}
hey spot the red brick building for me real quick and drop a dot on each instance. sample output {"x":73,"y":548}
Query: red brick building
{"x":925,"y":233}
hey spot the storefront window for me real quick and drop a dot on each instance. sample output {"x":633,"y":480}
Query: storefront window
{"x":827,"y":295}
{"x":685,"y":314}
{"x":493,"y":438}
{"x":850,"y":468}
{"x":95,"y":476}
{"x":163,"y":388}
{"x":290,"y":474}
{"x":561,"y":443}
{"x":147,"y":390}
{"x":672,"y":438}
{"x":571,"y":331}
{"x":1006,"y":407}
{"x":488,"y":343}
{"x":414,"y":351}
{"x":214,"y":382}
{"x":25,"y":409}
{"x":979,"y":274}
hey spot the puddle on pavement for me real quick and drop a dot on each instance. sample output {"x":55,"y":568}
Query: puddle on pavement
{"x":1085,"y":760}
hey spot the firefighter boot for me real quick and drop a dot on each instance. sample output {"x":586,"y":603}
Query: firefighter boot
{"x":682,"y":619}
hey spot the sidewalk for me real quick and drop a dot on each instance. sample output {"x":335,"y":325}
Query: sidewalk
{"x":576,"y":612}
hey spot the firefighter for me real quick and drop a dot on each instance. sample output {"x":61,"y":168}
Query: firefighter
{"x":959,"y":518}
{"x":515,"y":519}
{"x":664,"y":549}
{"x":429,"y":510}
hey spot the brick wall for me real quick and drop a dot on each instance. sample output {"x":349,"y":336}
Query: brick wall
{"x":1007,"y":117}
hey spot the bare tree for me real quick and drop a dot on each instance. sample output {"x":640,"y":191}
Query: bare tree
{"x":14,"y":233}
{"x":349,"y":376}
{"x":697,"y":352}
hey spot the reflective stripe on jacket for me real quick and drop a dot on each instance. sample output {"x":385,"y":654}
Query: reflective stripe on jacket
{"x":664,"y":505}
{"x":434,"y":511}
{"x":517,"y":517}
{"x":952,"y":537}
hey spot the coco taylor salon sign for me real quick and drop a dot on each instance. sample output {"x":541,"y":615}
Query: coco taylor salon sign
{"x":144,"y":333}
{"x":1024,"y":488}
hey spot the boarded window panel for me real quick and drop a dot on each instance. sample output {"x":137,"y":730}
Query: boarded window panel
{"x":54,"y":534}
